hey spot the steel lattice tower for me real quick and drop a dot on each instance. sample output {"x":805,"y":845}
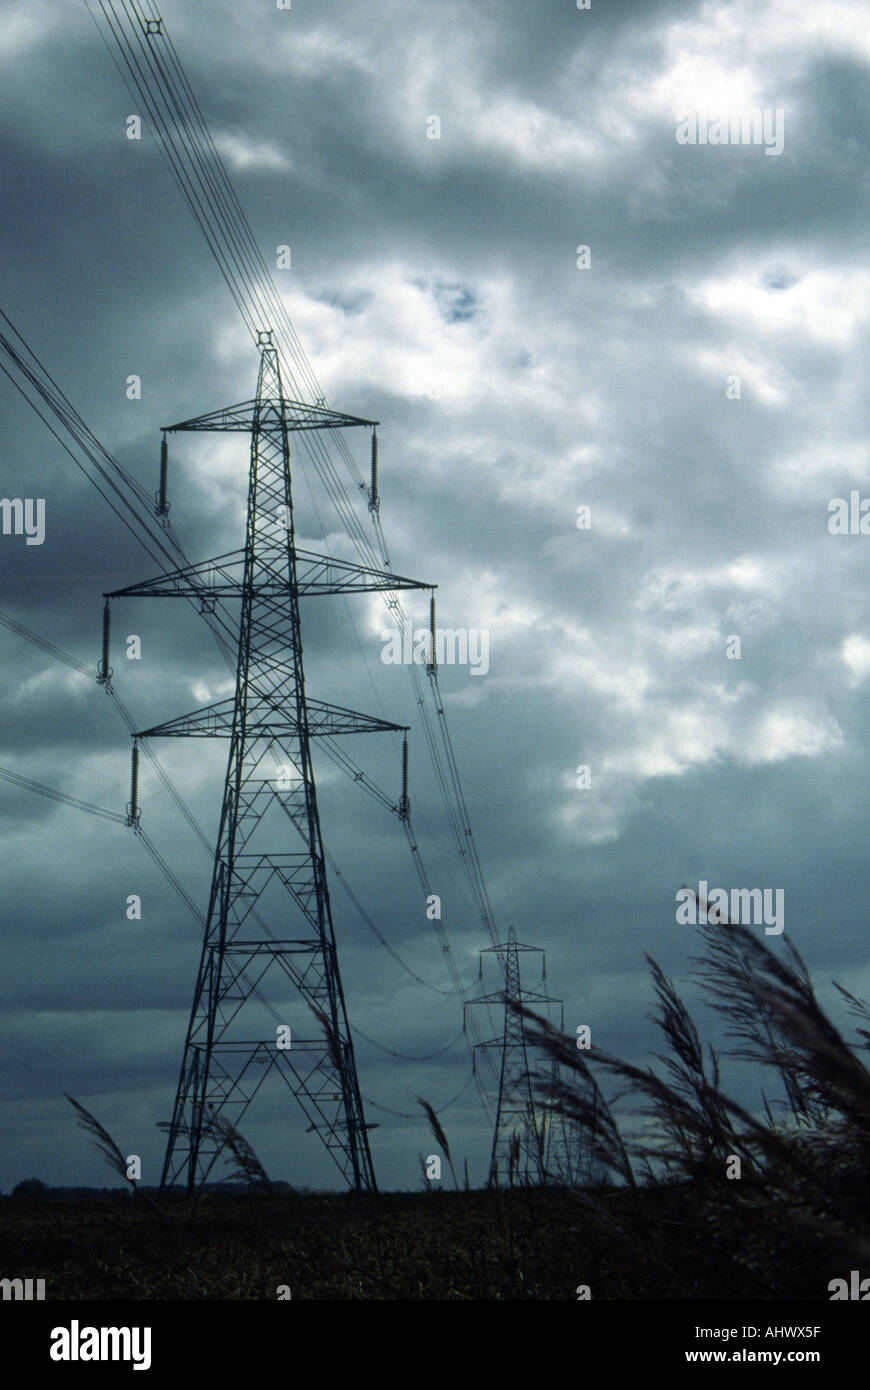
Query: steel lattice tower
{"x":559,"y":1162}
{"x":269,"y":869}
{"x":516,"y":1140}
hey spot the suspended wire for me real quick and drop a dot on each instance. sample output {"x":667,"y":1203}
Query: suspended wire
{"x":334,"y":869}
{"x":53,"y":795}
{"x":188,"y":135}
{"x":40,"y":381}
{"x":66,"y":448}
{"x":189,"y":149}
{"x":245,"y":977}
{"x":403,"y":1056}
{"x":219,"y":216}
{"x":403,"y":1115}
{"x":169,"y":875}
{"x":336,"y":754}
{"x":52,"y":394}
{"x":183,"y":148}
{"x":351,"y":769}
{"x":48,"y":647}
{"x":40,"y":642}
{"x":65,"y":410}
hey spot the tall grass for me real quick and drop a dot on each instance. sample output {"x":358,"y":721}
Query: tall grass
{"x":438,"y":1135}
{"x":797,"y":1215}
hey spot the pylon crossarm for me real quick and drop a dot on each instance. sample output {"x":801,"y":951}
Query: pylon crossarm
{"x":249,"y":416}
{"x":219,"y":721}
{"x":325,"y":720}
{"x":224,"y":578}
{"x":323,"y":574}
{"x":212,"y":721}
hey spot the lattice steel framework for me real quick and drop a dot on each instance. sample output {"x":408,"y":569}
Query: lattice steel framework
{"x":267,"y":873}
{"x":517,"y":1139}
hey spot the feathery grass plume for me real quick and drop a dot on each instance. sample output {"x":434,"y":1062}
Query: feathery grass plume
{"x":746,"y":980}
{"x":106,"y":1145}
{"x":767,"y":1110}
{"x":797,"y":1191}
{"x":674,"y":1117}
{"x":438,"y":1135}
{"x":579,"y":1099}
{"x":690,"y":1114}
{"x":798,"y":1208}
{"x":702,"y":1131}
{"x":742,"y":977}
{"x":582,"y":1106}
{"x":861,"y":1009}
{"x":427,"y":1186}
{"x":103,"y":1141}
{"x":331,"y":1038}
{"x":248,"y":1167}
{"x":585,"y":1108}
{"x":437,"y":1132}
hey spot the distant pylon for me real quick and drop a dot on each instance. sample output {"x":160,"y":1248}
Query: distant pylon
{"x":517,"y":1140}
{"x":263,"y":877}
{"x":559,"y":1154}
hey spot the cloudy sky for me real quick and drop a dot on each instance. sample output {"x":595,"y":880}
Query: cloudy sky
{"x":435,"y":286}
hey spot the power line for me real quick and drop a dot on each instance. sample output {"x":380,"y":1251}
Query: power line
{"x":59,"y":655}
{"x":403,"y":1056}
{"x":403,"y":1115}
{"x":186,"y":144}
{"x":196,"y":164}
{"x":54,"y":795}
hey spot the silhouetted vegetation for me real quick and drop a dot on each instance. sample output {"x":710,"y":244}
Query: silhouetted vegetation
{"x":712,"y":1200}
{"x":764,"y":1207}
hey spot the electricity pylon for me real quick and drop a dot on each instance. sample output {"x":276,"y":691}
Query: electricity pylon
{"x":566,"y":1158}
{"x":517,"y":1140}
{"x":263,"y":878}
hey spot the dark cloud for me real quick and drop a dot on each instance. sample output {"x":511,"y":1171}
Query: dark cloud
{"x":434,"y":285}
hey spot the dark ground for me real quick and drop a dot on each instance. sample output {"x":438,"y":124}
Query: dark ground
{"x":526,"y":1244}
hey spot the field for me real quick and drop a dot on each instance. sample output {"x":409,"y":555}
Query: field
{"x":525,"y":1244}
{"x":712,"y":1202}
